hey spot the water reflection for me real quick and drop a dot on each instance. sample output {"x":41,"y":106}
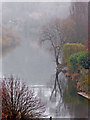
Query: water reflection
{"x":70,"y":106}
{"x":78,"y":107}
{"x":54,"y":107}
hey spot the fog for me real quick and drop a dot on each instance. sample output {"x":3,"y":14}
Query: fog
{"x":28,"y":60}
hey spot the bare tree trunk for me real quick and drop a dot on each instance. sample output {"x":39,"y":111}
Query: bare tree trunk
{"x":54,"y":89}
{"x":59,"y":86}
{"x":56,"y":81}
{"x":12,"y":92}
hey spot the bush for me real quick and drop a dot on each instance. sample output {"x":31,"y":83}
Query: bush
{"x":71,"y":49}
{"x":84,"y":60}
{"x":74,"y":62}
{"x":83,"y":81}
{"x":18,"y":101}
{"x":79,"y":60}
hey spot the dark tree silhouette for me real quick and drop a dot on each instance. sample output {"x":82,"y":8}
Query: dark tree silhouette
{"x":18,"y":101}
{"x":51,"y":33}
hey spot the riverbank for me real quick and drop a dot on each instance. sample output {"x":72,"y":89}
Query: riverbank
{"x":83,"y":94}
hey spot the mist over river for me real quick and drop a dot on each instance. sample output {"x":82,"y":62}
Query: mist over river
{"x":28,"y":60}
{"x":32,"y":64}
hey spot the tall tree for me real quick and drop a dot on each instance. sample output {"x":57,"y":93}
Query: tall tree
{"x":51,"y":34}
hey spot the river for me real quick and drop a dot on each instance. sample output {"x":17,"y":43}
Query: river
{"x":33,"y":64}
{"x":73,"y":106}
{"x":36,"y":68}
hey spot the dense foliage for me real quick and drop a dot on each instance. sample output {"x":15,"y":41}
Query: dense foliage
{"x":80,"y":58}
{"x":73,"y":61}
{"x":72,"y":48}
{"x":84,"y":60}
{"x":80,"y":64}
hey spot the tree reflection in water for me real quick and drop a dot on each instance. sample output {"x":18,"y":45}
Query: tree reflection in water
{"x":77,"y":105}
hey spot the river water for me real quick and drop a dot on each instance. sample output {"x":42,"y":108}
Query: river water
{"x":36,"y":67}
{"x":74,"y":107}
{"x":29,"y":62}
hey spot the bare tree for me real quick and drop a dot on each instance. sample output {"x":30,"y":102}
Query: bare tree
{"x":19,"y":101}
{"x":53,"y":34}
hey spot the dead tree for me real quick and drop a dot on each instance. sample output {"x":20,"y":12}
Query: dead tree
{"x":57,"y":82}
{"x":52,"y":34}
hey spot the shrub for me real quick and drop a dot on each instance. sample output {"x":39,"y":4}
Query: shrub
{"x":78,"y":60}
{"x":84,"y":60}
{"x":18,"y":101}
{"x":74,"y":62}
{"x":84,"y":81}
{"x":71,"y":49}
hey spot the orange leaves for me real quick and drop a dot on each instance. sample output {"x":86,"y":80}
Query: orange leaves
{"x":75,"y":76}
{"x":67,"y":74}
{"x":4,"y":115}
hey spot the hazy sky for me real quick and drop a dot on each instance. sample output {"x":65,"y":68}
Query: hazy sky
{"x":44,"y":0}
{"x":28,"y":60}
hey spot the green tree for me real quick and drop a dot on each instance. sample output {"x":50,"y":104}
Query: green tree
{"x":71,"y":49}
{"x":84,"y":60}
